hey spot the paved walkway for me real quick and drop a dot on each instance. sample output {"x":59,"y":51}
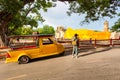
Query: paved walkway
{"x":92,"y":64}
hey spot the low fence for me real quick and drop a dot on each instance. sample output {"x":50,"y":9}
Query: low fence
{"x":2,"y":45}
{"x":92,"y":43}
{"x":86,"y":43}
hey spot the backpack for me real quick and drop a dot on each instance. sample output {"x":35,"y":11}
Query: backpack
{"x":74,"y":42}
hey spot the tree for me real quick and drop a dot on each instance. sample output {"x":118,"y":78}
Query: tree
{"x":94,"y":9}
{"x":116,"y":26}
{"x":40,"y":30}
{"x":46,"y":30}
{"x":23,"y":31}
{"x":26,"y":31}
{"x":16,"y":13}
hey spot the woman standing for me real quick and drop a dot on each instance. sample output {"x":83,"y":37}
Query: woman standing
{"x":75,"y":43}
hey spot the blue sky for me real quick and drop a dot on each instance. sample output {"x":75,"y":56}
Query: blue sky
{"x":57,"y":16}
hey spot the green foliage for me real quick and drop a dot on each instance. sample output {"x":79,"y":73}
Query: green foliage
{"x":96,"y":31}
{"x":26,"y":31}
{"x":40,"y":30}
{"x":10,"y":6}
{"x":116,"y":26}
{"x":23,"y":31}
{"x":17,"y":31}
{"x":46,"y":30}
{"x":16,"y":13}
{"x":94,"y":9}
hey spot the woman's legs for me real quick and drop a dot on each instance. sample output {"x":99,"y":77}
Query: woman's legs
{"x":75,"y":51}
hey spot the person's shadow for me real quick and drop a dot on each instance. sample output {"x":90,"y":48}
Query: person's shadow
{"x":93,"y":51}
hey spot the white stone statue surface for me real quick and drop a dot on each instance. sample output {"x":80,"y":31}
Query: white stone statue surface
{"x":59,"y":33}
{"x":106,"y":26}
{"x":115,"y":35}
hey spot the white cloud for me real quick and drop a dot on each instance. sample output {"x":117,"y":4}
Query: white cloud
{"x":57,"y":16}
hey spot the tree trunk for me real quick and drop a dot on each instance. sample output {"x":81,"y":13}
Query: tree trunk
{"x":3,"y":36}
{"x":1,"y":42}
{"x":4,"y":20}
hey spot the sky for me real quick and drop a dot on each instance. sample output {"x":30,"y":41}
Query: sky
{"x":57,"y":16}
